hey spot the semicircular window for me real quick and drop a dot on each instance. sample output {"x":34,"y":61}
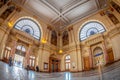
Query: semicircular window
{"x":29,"y":26}
{"x":91,"y":28}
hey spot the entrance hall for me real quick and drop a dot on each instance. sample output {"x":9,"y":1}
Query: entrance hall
{"x":59,"y":39}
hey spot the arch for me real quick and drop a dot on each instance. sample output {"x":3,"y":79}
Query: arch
{"x":90,"y":28}
{"x":30,"y":26}
{"x":98,"y":56}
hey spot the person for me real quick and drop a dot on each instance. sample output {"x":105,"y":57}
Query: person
{"x":37,"y":68}
{"x":10,"y":61}
{"x":27,"y":69}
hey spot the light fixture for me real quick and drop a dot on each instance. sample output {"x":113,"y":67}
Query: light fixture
{"x":10,"y":24}
{"x":60,"y":51}
{"x":44,"y":41}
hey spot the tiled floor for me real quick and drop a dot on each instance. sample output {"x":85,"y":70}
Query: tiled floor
{"x":111,"y":72}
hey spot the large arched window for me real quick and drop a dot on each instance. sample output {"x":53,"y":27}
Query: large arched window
{"x":29,"y":26}
{"x":91,"y":28}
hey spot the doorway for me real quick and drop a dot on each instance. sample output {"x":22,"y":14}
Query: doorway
{"x":18,"y":60}
{"x":98,"y":56}
{"x":54,"y":65}
{"x":19,"y":56}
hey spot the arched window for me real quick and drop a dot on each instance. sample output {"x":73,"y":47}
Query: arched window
{"x":67,"y":62}
{"x":91,"y":28}
{"x":29,"y":26}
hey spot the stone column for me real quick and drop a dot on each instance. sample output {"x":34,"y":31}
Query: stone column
{"x":14,"y":45}
{"x":80,"y":68}
{"x":69,"y":33}
{"x":48,"y":37}
{"x":105,"y":52}
{"x":39,"y":58}
{"x":90,"y":56}
{"x":27,"y":56}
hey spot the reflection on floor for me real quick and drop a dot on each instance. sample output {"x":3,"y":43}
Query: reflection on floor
{"x":111,"y":72}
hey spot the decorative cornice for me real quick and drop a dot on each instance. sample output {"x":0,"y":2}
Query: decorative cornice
{"x":113,"y":32}
{"x":94,"y":39}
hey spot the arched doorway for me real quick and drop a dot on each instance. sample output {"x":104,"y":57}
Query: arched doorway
{"x":54,"y":63}
{"x":98,"y":56}
{"x":67,"y":63}
{"x":19,"y":56}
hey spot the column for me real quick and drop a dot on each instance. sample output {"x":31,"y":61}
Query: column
{"x":2,"y":43}
{"x":70,"y":35}
{"x":90,"y":56}
{"x":40,"y":58}
{"x":105,"y":52}
{"x":12,"y":53}
{"x":27,"y":56}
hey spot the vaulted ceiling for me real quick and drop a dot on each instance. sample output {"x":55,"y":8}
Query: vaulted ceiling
{"x":61,"y":13}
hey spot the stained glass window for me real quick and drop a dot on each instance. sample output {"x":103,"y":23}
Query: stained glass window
{"x":91,"y":28}
{"x":29,"y":26}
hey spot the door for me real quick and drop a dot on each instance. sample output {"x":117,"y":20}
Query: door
{"x":86,"y":63}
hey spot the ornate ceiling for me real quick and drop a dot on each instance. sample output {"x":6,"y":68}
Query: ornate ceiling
{"x":61,"y":13}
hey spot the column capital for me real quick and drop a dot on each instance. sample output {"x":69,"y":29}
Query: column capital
{"x":70,"y":28}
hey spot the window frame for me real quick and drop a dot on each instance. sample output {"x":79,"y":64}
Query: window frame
{"x":86,"y":25}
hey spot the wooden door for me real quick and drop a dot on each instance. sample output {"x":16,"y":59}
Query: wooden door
{"x":110,"y":55}
{"x":86,"y":63}
{"x":54,"y":65}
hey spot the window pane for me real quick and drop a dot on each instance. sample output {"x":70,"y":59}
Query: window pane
{"x":69,"y":65}
{"x":67,"y":62}
{"x":30,"y":62}
{"x":19,"y":47}
{"x":91,"y":28}
{"x":33,"y":63}
{"x":23,"y":49}
{"x":29,"y":26}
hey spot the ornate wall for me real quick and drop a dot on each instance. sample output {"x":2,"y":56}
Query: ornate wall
{"x":82,"y":53}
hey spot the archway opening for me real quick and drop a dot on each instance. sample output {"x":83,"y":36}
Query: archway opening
{"x":98,"y":56}
{"x":19,"y":56}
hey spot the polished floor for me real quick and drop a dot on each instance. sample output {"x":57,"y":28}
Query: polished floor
{"x":111,"y":72}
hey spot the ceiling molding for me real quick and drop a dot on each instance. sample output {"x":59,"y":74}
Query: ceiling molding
{"x":66,"y":12}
